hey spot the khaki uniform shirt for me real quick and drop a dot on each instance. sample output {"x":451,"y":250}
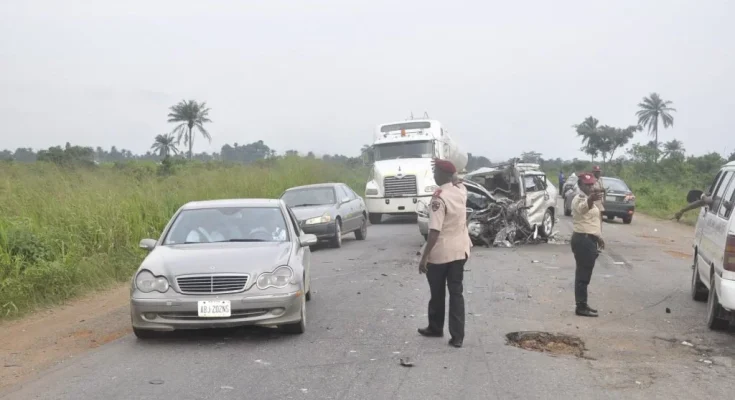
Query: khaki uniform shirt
{"x":586,"y":220}
{"x":448,"y":215}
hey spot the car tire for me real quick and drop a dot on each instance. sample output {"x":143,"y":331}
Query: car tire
{"x":146,"y":333}
{"x":297,"y":327}
{"x":714,"y":309}
{"x":376,"y":218}
{"x":361,"y":234}
{"x":628,"y":220}
{"x":698,"y":290}
{"x":547,"y":224}
{"x":611,"y":218}
{"x":337,"y":239}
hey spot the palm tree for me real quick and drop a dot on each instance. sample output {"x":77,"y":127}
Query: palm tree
{"x":165,"y":145}
{"x":673,"y":147}
{"x":191,"y":115}
{"x":652,"y":108}
{"x":588,"y":130}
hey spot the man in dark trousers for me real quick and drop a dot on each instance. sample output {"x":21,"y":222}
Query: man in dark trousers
{"x":586,"y":240}
{"x":446,"y":252}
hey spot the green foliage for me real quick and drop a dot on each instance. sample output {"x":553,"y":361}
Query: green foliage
{"x":652,"y":109}
{"x":64,"y":231}
{"x":189,"y":115}
{"x":68,"y":156}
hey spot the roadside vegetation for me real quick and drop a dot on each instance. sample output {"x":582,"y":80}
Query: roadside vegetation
{"x":66,"y":230}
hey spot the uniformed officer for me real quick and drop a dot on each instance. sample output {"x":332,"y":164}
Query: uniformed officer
{"x":446,"y":251}
{"x":586,"y":240}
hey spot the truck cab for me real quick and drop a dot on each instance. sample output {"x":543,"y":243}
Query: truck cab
{"x":402,"y":171}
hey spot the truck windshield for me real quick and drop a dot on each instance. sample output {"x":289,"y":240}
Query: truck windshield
{"x":394,"y":151}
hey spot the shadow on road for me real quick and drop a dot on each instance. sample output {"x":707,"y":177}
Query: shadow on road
{"x":220,"y":336}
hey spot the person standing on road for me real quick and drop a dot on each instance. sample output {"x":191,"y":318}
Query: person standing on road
{"x":446,"y":252}
{"x":561,"y":182}
{"x":586,"y":240}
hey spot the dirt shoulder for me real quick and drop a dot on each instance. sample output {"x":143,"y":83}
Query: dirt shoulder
{"x":48,"y":337}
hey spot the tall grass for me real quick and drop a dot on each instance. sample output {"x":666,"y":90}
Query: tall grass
{"x":64,"y":232}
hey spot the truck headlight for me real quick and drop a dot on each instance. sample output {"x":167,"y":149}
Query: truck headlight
{"x":431,"y":189}
{"x":371,"y":192}
{"x":146,"y":282}
{"x":279,"y":278}
{"x":319,"y":220}
{"x":371,"y":189}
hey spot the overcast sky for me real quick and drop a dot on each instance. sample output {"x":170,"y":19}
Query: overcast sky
{"x":504,"y":77}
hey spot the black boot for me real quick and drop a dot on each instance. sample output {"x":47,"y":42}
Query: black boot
{"x":430,"y":332}
{"x":585,"y":311}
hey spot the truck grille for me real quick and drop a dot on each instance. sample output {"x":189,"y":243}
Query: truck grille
{"x":211,"y":284}
{"x":396,"y":187}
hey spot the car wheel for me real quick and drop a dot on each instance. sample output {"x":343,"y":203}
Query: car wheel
{"x":361,"y":234}
{"x":547,"y":224}
{"x":714,"y":309}
{"x":628,"y":220}
{"x":298,"y":327}
{"x":146,"y":333}
{"x":375,"y":218}
{"x":610,"y":217}
{"x":337,"y":239}
{"x":699,"y":291}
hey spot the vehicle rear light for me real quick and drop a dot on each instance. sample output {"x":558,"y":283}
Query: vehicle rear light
{"x":729,"y":263}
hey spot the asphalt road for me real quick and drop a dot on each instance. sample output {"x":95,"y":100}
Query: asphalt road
{"x":369,"y":299}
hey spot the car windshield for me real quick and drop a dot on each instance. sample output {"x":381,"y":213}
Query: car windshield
{"x":228,"y":224}
{"x":394,"y":151}
{"x":309,"y":197}
{"x":615,"y":185}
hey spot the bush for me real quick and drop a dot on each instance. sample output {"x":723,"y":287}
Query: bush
{"x":66,"y":231}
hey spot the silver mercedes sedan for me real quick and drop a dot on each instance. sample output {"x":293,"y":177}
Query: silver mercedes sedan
{"x":224,"y":263}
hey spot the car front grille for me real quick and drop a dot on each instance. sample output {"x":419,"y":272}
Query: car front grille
{"x":405,"y":186}
{"x":192,"y":315}
{"x":211,"y":284}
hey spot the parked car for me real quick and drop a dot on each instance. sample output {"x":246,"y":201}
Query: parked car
{"x":570,"y":183}
{"x":713,"y":271}
{"x":329,"y":211}
{"x":224,"y":263}
{"x":619,"y":200}
{"x":500,"y":185}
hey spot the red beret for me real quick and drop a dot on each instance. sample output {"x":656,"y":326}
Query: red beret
{"x":587,"y":179}
{"x":444,"y":165}
{"x":597,"y":168}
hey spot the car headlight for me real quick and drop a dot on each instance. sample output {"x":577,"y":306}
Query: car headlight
{"x":431,"y":189}
{"x":319,"y":220}
{"x":146,"y":282}
{"x":279,"y":278}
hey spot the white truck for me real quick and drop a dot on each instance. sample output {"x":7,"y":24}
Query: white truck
{"x":402,"y":172}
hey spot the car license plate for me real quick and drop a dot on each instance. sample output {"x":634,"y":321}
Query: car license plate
{"x":612,"y":198}
{"x":214,"y":308}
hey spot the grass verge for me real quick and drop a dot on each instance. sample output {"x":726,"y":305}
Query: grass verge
{"x":64,"y":232}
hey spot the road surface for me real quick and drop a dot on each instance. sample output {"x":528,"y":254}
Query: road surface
{"x":369,"y":300}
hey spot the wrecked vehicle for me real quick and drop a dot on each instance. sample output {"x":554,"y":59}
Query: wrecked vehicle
{"x":507,"y":204}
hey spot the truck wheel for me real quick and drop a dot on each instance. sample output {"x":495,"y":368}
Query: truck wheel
{"x":627,"y":220}
{"x":699,"y":291}
{"x":375,"y":218}
{"x":714,"y":309}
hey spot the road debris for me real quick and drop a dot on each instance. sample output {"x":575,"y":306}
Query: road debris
{"x":406,"y":362}
{"x":227,"y":388}
{"x":668,"y":310}
{"x":685,"y":343}
{"x":156,"y":382}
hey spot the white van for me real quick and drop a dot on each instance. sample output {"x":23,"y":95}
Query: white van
{"x":713,"y":272}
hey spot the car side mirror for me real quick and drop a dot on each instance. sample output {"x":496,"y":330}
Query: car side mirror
{"x":694,"y":195}
{"x":147,"y":244}
{"x":308,"y":240}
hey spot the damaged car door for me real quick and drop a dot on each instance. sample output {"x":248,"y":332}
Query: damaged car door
{"x":540,"y":200}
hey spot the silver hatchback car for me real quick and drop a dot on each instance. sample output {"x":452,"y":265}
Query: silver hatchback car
{"x":224,"y":263}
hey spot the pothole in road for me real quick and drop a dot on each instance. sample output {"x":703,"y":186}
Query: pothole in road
{"x":546,"y":342}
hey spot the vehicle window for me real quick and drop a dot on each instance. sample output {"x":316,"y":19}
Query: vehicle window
{"x":529,"y":183}
{"x":712,"y":187}
{"x":228,"y":224}
{"x":615,"y":185}
{"x":294,"y":222}
{"x":540,"y":182}
{"x":318,"y":196}
{"x":405,"y":125}
{"x":342,"y":192}
{"x":719,"y":192}
{"x":350,"y":193}
{"x":723,"y":193}
{"x":394,"y":151}
{"x":729,"y":205}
